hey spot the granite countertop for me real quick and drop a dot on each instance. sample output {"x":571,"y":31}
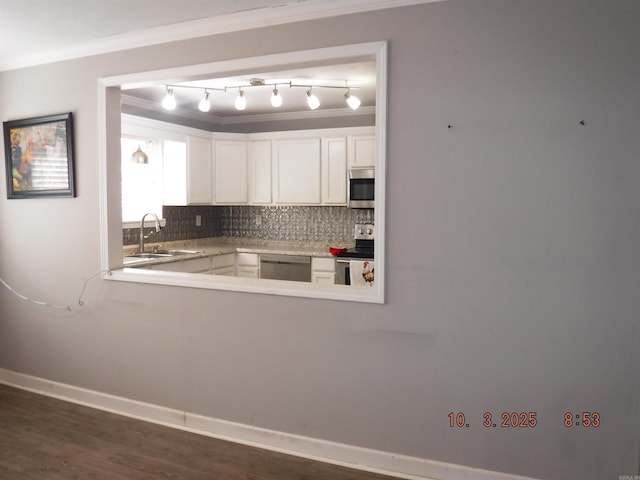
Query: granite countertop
{"x":206,"y":247}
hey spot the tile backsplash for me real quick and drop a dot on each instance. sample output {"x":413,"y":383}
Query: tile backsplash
{"x":270,"y":223}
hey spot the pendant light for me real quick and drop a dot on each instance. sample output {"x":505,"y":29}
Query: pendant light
{"x":139,"y":156}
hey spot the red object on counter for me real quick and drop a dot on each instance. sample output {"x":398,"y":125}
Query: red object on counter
{"x":335,"y":251}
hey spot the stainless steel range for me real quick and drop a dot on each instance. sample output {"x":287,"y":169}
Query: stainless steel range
{"x":364,"y":234}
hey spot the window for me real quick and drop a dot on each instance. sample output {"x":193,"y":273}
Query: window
{"x":141,"y":182}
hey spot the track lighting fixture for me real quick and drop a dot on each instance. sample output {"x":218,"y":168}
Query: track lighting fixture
{"x":241,"y":101}
{"x":205,"y":104}
{"x":276,"y":98}
{"x":353,"y":102}
{"x":169,"y":101}
{"x":312,"y":100}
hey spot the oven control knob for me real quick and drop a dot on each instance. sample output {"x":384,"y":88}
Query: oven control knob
{"x":370,"y":231}
{"x":361,"y":230}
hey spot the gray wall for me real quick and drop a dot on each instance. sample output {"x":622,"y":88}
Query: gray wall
{"x":513,"y":266}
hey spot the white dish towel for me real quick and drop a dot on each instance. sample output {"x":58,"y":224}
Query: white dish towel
{"x":361,"y":273}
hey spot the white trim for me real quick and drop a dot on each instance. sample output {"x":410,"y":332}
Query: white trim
{"x":402,"y":466}
{"x":262,"y":17}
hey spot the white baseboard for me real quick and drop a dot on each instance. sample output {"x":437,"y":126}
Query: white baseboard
{"x":376,"y":461}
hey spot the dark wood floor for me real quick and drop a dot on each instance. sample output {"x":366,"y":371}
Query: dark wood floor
{"x":42,"y":438}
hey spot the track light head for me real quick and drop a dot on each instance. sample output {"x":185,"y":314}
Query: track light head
{"x":276,"y":98}
{"x":241,"y":101}
{"x":312,"y":100}
{"x":169,"y":101}
{"x":204,"y":104}
{"x":353,"y":102}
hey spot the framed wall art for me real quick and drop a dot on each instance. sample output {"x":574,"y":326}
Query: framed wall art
{"x":39,"y":157}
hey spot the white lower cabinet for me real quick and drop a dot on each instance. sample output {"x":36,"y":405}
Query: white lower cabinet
{"x":248,"y":265}
{"x":323,"y":271}
{"x":223,"y":264}
{"x":198,"y":265}
{"x":176,"y":266}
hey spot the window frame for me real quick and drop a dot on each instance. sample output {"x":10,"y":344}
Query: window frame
{"x":109,"y":118}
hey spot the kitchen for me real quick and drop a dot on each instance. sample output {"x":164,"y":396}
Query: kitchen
{"x":290,"y":204}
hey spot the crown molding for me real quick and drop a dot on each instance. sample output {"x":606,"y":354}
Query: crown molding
{"x":263,"y":17}
{"x":238,"y":119}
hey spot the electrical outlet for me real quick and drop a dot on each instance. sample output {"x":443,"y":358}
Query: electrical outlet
{"x":258,"y":219}
{"x":198,"y":220}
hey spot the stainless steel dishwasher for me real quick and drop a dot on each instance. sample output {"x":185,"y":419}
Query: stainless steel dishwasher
{"x":285,"y":267}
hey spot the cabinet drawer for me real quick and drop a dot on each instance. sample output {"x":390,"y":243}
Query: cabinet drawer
{"x":227,"y":271}
{"x":323,"y":264}
{"x":248,"y":272}
{"x":226,"y":260}
{"x":198,"y":265}
{"x":247,"y":259}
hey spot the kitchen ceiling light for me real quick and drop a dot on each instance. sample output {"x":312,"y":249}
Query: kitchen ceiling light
{"x":139,"y":156}
{"x":169,"y":101}
{"x":312,"y":100}
{"x":241,"y":101}
{"x":204,"y":104}
{"x":276,"y":98}
{"x":353,"y":102}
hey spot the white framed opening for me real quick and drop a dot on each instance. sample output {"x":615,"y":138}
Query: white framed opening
{"x":110,"y":175}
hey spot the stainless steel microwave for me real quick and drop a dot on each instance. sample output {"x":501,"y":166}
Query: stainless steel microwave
{"x":362,"y":187}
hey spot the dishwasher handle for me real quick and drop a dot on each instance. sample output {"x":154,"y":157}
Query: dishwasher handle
{"x":276,"y":258}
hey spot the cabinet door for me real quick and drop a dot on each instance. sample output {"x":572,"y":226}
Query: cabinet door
{"x":198,"y":171}
{"x":225,"y":271}
{"x":334,"y":171}
{"x":297,"y":171}
{"x":362,"y":151}
{"x":177,"y":266}
{"x":198,"y":265}
{"x":323,"y":278}
{"x":174,"y":173}
{"x":230,"y":172}
{"x":260,"y":172}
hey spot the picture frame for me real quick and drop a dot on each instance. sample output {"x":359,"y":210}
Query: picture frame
{"x":39,"y":157}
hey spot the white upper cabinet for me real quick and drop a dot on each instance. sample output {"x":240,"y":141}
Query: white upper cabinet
{"x":174,"y":173}
{"x":362,"y":151}
{"x":296,"y":172}
{"x":260,"y":174}
{"x":334,"y":171}
{"x":230,"y":175}
{"x":186,"y":172}
{"x":198,"y":171}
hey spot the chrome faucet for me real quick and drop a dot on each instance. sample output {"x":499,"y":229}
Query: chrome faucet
{"x":142,"y":237}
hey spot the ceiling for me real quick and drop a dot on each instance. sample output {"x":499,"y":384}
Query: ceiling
{"x":360,"y":76}
{"x":30,"y":26}
{"x":42,"y":31}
